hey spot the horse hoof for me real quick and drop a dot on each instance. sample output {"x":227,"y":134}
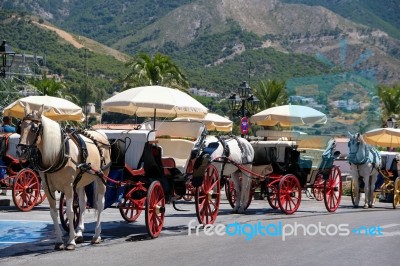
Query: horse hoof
{"x":59,"y":246}
{"x":366,"y":206}
{"x":240,"y":211}
{"x":96,"y":241}
{"x":79,"y":239}
{"x":371,"y":205}
{"x":70,"y":247}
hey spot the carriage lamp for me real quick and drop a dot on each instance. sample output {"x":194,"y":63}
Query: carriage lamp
{"x":390,"y":123}
{"x":7,"y":56}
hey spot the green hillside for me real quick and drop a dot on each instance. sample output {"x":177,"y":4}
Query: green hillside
{"x":383,"y":15}
{"x":62,"y":58}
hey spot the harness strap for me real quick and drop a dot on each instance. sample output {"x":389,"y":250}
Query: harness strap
{"x":84,"y":155}
{"x":225,"y":147}
{"x":57,"y":165}
{"x":48,"y":187}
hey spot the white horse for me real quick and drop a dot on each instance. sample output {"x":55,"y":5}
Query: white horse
{"x":65,"y":161}
{"x":237,"y":150}
{"x":364,"y":161}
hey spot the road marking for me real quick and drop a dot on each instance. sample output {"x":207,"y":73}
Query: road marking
{"x":389,"y":225}
{"x":386,"y":234}
{"x":14,"y":232}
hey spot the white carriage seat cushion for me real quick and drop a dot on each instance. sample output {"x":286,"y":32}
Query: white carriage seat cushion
{"x":178,"y":149}
{"x":315,"y":155}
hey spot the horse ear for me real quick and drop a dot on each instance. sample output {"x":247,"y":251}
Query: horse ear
{"x":39,"y":114}
{"x":349,"y":134}
{"x":27,"y":109}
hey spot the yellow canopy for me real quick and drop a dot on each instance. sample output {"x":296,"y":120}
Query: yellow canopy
{"x":55,"y":108}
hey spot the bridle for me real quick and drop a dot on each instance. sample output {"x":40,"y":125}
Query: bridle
{"x":37,"y":129}
{"x":33,"y":152}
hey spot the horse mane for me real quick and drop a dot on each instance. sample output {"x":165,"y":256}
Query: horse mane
{"x":51,"y":141}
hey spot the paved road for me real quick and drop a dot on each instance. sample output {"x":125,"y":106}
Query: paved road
{"x":369,"y":237}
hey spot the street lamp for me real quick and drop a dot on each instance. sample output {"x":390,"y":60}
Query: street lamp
{"x":7,"y":56}
{"x":242,"y":103}
{"x":390,"y":123}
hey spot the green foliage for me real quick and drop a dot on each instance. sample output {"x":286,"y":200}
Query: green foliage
{"x":367,"y":12}
{"x":103,"y":72}
{"x":270,"y":93}
{"x":159,"y":70}
{"x":390,"y":97}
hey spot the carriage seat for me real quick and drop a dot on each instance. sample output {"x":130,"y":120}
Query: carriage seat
{"x":315,"y":155}
{"x":267,"y":152}
{"x":177,"y":150}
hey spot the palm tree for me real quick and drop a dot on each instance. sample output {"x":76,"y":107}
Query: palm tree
{"x":270,"y":93}
{"x":159,"y":70}
{"x":51,"y":87}
{"x":390,"y":97}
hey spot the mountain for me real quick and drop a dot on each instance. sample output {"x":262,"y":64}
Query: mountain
{"x":86,"y":66}
{"x":220,"y":42}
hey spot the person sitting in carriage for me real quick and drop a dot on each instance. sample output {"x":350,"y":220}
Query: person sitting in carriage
{"x":7,"y":126}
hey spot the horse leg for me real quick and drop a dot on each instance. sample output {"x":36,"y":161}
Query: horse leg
{"x":245,"y":192}
{"x":367,"y":190}
{"x":54,"y":216}
{"x":356,"y":191}
{"x":236,"y":180}
{"x":371,"y":196}
{"x":69,"y":199}
{"x":100,"y":191}
{"x":82,"y":208}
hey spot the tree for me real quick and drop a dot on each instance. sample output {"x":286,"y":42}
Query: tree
{"x":159,"y":70}
{"x":51,"y":87}
{"x":270,"y":93}
{"x":390,"y":97}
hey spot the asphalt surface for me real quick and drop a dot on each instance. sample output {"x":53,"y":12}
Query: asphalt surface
{"x":348,"y":237}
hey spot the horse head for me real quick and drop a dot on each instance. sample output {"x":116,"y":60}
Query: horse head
{"x":30,"y":131}
{"x":358,"y":152}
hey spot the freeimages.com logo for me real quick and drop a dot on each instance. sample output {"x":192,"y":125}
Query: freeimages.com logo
{"x":280,"y":230}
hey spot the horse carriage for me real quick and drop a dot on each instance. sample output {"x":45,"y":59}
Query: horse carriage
{"x":375,"y":173}
{"x":16,"y":175}
{"x":149,"y":168}
{"x":282,"y":169}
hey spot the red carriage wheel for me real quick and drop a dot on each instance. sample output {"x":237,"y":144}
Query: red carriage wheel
{"x":289,"y":194}
{"x":208,"y":196}
{"x":131,"y":209}
{"x":230,"y":192}
{"x":272,"y":195}
{"x":155,"y":209}
{"x":42,"y":195}
{"x":190,"y":189}
{"x":63,"y":211}
{"x":318,"y":187}
{"x":333,"y":189}
{"x":26,"y":190}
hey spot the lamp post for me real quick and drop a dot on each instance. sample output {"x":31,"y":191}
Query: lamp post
{"x":390,"y":123}
{"x":7,"y":58}
{"x":241,"y":104}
